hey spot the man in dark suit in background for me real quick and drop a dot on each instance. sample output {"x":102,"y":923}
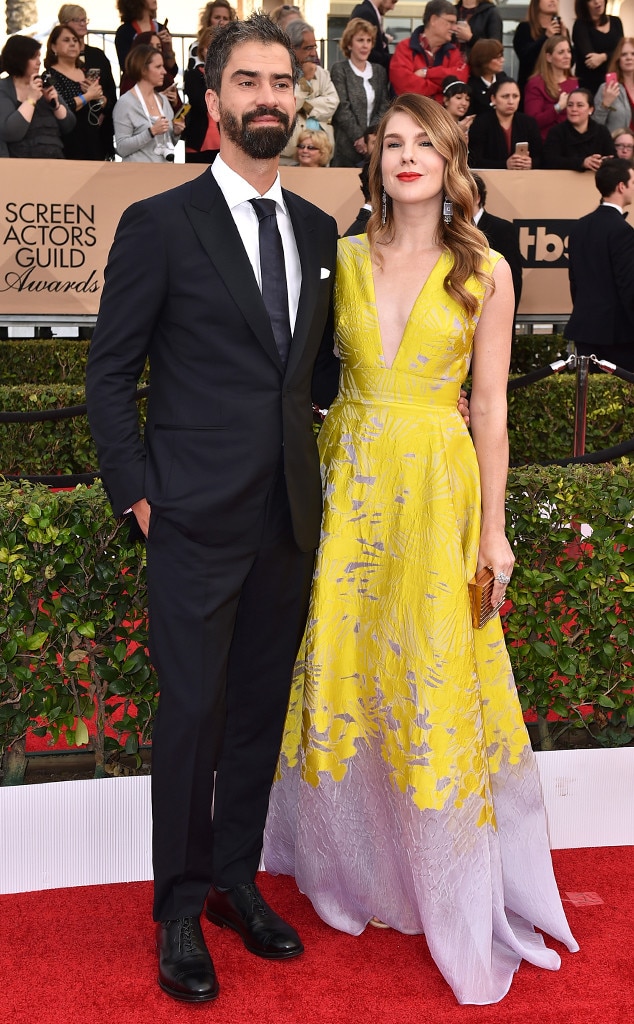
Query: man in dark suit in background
{"x":601,"y":271}
{"x":229,"y":295}
{"x":501,"y":235}
{"x":373,"y":12}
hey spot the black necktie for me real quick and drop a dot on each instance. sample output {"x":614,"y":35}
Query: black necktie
{"x":273,"y":272}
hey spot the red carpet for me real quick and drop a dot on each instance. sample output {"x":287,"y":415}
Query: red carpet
{"x":86,"y":956}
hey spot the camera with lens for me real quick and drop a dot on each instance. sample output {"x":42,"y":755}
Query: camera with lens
{"x":47,"y":79}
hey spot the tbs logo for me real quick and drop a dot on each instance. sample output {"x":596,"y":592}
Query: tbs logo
{"x":544,"y":243}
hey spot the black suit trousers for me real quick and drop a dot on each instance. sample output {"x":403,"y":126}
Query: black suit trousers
{"x":225,"y":626}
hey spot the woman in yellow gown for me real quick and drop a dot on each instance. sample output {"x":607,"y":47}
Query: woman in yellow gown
{"x":407,"y":791}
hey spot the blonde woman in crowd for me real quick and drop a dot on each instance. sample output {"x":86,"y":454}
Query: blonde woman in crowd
{"x":546,"y":93}
{"x":313,"y":149}
{"x":363,"y":93}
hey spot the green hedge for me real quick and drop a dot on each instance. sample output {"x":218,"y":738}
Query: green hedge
{"x":541,"y":424}
{"x":73,"y":608}
{"x":43,"y":362}
{"x":541,"y":416}
{"x":532,"y":351}
{"x":64,"y":362}
{"x":50,"y":446}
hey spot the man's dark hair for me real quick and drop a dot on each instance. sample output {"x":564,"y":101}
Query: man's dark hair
{"x":481,"y":187}
{"x":612,"y":173}
{"x":257,"y":29}
{"x":16,"y":54}
{"x":437,"y":7}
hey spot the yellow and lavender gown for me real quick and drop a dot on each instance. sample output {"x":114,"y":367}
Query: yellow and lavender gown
{"x":407,"y":788}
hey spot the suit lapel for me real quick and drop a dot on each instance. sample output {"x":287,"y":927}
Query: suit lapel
{"x":309,"y":261}
{"x":215,"y":228}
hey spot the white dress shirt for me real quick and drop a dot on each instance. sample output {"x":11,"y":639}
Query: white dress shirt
{"x":237,"y":193}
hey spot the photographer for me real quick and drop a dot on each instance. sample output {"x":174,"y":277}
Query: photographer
{"x":33,"y":117}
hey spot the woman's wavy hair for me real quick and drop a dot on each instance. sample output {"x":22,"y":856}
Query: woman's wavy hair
{"x":50,"y":59}
{"x":355,"y":27}
{"x":544,"y":67}
{"x":204,"y":18}
{"x":616,"y":56}
{"x":460,"y":238}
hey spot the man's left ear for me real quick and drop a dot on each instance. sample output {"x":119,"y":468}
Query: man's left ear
{"x":213,"y":104}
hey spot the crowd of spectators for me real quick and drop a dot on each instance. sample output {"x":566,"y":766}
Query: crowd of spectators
{"x":571,"y":106}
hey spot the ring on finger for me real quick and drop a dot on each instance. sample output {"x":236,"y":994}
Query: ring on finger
{"x":503,"y":578}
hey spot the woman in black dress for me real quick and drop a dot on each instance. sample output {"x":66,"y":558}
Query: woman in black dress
{"x":494,"y":135}
{"x":93,"y":58}
{"x":579,"y":143}
{"x":595,"y":35}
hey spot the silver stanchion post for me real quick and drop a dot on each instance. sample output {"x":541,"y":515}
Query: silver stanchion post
{"x":579,"y":444}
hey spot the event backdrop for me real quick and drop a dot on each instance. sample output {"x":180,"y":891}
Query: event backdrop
{"x":57,"y":221}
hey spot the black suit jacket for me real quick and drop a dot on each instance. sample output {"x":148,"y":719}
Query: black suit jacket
{"x":359,"y":226}
{"x":180,"y":290}
{"x":380,"y":53}
{"x":601,"y":270}
{"x":502,"y":236}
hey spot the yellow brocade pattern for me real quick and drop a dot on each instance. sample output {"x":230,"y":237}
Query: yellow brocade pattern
{"x":390,"y":660}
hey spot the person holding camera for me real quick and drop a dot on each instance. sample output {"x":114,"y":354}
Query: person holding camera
{"x":82,"y":91}
{"x":33,"y":117}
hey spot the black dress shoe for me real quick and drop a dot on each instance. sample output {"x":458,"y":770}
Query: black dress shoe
{"x":185,"y":967}
{"x":260,"y":928}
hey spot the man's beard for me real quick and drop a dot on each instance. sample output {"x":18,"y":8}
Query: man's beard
{"x":260,"y":143}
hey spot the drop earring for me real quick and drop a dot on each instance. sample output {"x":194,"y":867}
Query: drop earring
{"x":383,"y":205}
{"x":447,"y":210}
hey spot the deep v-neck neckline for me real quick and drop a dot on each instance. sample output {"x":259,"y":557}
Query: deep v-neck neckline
{"x":411,"y":312}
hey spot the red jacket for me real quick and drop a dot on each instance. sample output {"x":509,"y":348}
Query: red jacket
{"x":409,"y":57}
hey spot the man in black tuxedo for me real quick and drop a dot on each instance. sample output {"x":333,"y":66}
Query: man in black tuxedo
{"x":373,"y":12}
{"x":601,"y":271}
{"x":501,"y":235}
{"x":229,"y":296}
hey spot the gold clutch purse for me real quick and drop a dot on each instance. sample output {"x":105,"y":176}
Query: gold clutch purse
{"x":480,"y":591}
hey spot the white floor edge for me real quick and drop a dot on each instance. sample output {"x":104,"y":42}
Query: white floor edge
{"x":65,"y":834}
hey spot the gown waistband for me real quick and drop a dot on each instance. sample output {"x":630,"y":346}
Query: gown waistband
{"x":396,"y":387}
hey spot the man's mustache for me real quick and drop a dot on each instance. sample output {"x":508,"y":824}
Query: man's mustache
{"x":264,"y":111}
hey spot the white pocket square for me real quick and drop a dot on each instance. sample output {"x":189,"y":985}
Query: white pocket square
{"x":324,"y":273}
